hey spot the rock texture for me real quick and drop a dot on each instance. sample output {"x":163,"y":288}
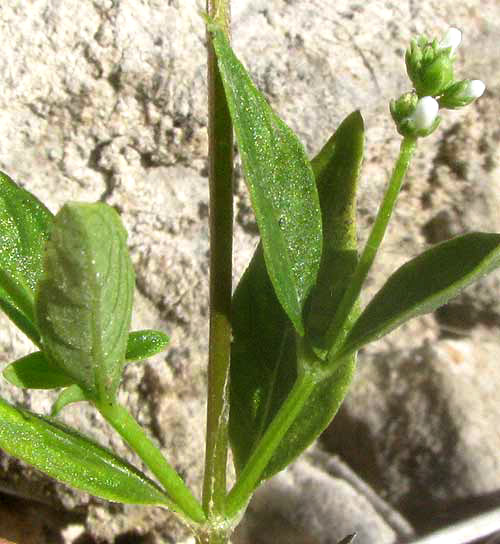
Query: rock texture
{"x":105,"y":99}
{"x":421,"y":427}
{"x":304,"y":505}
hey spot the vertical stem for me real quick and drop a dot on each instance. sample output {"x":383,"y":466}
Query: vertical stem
{"x":341,"y":324}
{"x":220,"y":134}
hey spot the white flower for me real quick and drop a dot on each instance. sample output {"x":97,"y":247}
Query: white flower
{"x":475,"y":88}
{"x":425,"y":113}
{"x":452,"y":39}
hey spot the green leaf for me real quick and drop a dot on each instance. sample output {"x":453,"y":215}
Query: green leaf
{"x":425,"y":283}
{"x":263,"y":356}
{"x":336,"y":167}
{"x":263,"y":360}
{"x":69,"y":457}
{"x":25,"y":225}
{"x":70,"y":395}
{"x":144,"y":344}
{"x":84,"y":299}
{"x":281,"y":184}
{"x":35,"y":372}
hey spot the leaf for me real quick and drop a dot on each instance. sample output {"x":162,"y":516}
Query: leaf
{"x":25,"y":225}
{"x":281,"y":185}
{"x":70,"y":395}
{"x":84,"y":299}
{"x":69,"y":457}
{"x":263,"y":355}
{"x":144,"y":344}
{"x":35,"y":372}
{"x":336,"y":167}
{"x":424,"y":284}
{"x":263,"y":361}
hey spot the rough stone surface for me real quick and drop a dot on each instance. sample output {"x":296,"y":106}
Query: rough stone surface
{"x":105,"y":99}
{"x":304,"y":505}
{"x":422,"y":427}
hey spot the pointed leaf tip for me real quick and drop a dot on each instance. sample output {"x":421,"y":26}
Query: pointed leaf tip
{"x":424,"y":284}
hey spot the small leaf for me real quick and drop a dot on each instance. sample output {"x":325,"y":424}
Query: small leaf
{"x":25,"y":225}
{"x":144,"y":344}
{"x":70,"y":395}
{"x":424,"y":284}
{"x":84,"y":299}
{"x":281,"y":184}
{"x":263,"y":355}
{"x":69,"y":457}
{"x":35,"y":372}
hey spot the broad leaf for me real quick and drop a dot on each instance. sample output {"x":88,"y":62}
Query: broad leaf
{"x":84,"y":299}
{"x":35,"y":372}
{"x":69,"y":457}
{"x":425,"y":283}
{"x":281,"y":185}
{"x":144,"y":344}
{"x":263,"y":359}
{"x":336,"y":168}
{"x":24,"y":228}
{"x":263,"y":356}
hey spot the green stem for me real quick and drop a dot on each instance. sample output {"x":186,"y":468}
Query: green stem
{"x":341,"y":324}
{"x":252,"y":472}
{"x":220,"y":134}
{"x":133,"y":434}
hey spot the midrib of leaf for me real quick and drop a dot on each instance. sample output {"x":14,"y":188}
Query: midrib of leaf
{"x":95,"y":316}
{"x":265,"y":416}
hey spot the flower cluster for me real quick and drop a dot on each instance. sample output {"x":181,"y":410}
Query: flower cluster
{"x":430,"y":68}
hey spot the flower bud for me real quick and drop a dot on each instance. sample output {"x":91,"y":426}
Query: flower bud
{"x":451,"y":39}
{"x":430,"y":65}
{"x":425,"y":113}
{"x":462,"y":93}
{"x":421,"y":117}
{"x":403,"y":107}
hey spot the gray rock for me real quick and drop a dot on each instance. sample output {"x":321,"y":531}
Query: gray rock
{"x":421,"y":427}
{"x":305,"y":505}
{"x":106,"y":100}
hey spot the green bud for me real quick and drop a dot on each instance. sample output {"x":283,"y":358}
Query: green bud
{"x":415,"y":117}
{"x":403,"y":108}
{"x":429,"y":66}
{"x":461,"y":94}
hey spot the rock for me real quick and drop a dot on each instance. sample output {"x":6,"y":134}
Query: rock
{"x":305,"y":505}
{"x":421,"y":427}
{"x":106,"y":100}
